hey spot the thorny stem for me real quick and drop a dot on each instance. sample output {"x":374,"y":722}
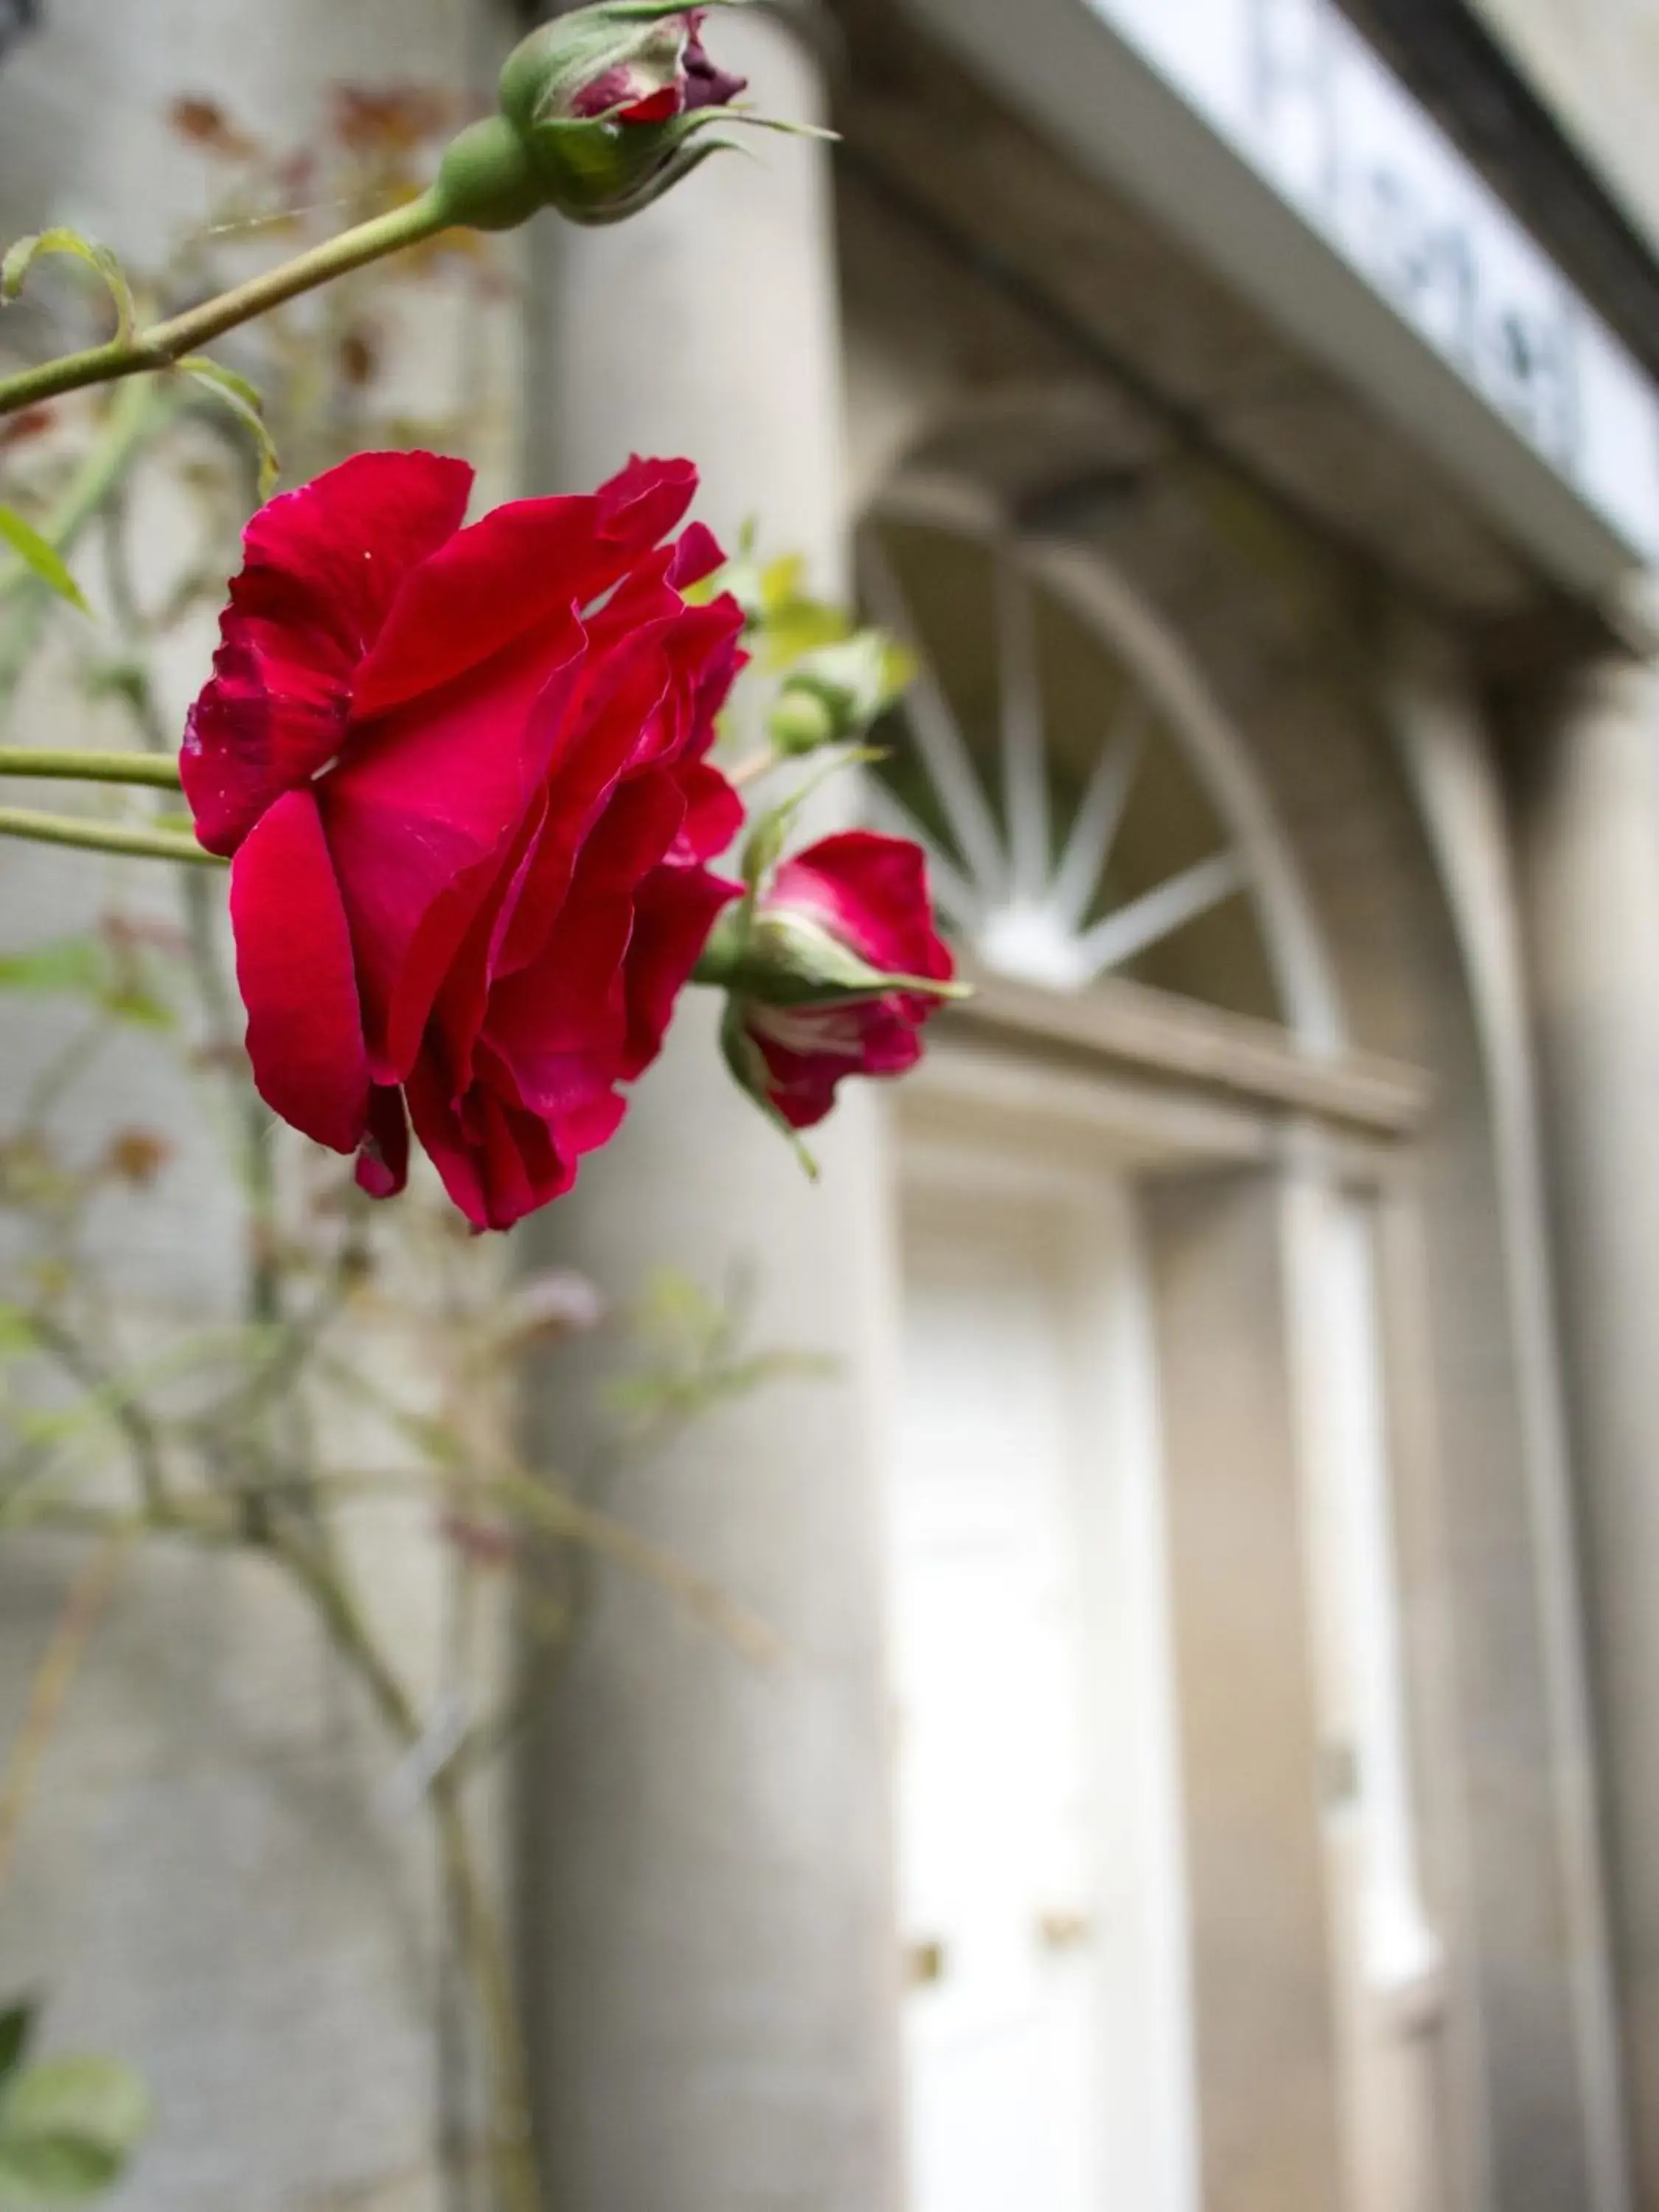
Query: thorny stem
{"x":167,"y":343}
{"x":129,"y":1415}
{"x":89,"y":1595}
{"x":134,"y":415}
{"x":479,"y":1929}
{"x":751,"y":769}
{"x":260,"y":1521}
{"x":63,"y":1069}
{"x":213,"y":1522}
{"x":95,"y":837}
{"x":202,"y":905}
{"x":202,"y":910}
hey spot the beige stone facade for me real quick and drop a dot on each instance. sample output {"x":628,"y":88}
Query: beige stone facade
{"x":1362,"y":1083}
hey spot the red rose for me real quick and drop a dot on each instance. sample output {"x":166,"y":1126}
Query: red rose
{"x":818,"y":983}
{"x":462,"y":776}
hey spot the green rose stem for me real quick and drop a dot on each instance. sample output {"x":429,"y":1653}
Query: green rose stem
{"x":754,"y":767}
{"x":168,"y":343}
{"x":126,"y":839}
{"x":297,"y":1552}
{"x":136,"y":416}
{"x":481,"y":1937}
{"x":159,"y":771}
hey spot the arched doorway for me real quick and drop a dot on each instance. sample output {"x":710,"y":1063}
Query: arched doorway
{"x":1154,"y":1781}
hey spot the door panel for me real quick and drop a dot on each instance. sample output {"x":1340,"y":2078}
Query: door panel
{"x":1039,"y":1843}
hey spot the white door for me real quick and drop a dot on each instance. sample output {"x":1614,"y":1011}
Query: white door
{"x":1039,"y":1841}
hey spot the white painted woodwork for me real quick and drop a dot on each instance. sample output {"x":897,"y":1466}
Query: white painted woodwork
{"x":1389,"y":1962}
{"x":1026,"y":885}
{"x":1041,"y":1860}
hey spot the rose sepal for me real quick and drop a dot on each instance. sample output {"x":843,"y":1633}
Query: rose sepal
{"x":786,"y":958}
{"x":747,"y":1066}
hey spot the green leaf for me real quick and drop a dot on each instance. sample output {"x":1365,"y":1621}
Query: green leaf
{"x":793,"y":623}
{"x":67,"y":2128}
{"x":17,"y":2021}
{"x":244,"y":402}
{"x":101,"y":2100}
{"x":37,"y":2171}
{"x":763,"y":847}
{"x":801,"y":628}
{"x":43,"y":560}
{"x":17,"y":1338}
{"x":142,"y":1008}
{"x":674,"y":1308}
{"x":780,"y":582}
{"x":75,"y":965}
{"x":89,"y":968}
{"x":27,"y":251}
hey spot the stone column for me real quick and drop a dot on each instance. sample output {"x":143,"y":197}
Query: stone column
{"x":1590,"y":817}
{"x":709,"y":1950}
{"x":1266,"y":2031}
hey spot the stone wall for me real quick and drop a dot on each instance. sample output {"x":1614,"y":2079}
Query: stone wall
{"x":1596,"y":63}
{"x":213,"y":1880}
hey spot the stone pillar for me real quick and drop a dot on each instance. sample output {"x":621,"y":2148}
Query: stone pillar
{"x":1589,"y":818}
{"x":710,"y":1954}
{"x":1266,"y":2030}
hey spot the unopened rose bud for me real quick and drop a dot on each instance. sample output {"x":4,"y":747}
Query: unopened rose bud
{"x":601,"y":111}
{"x":832,"y":970}
{"x":800,"y":723}
{"x":836,"y":693}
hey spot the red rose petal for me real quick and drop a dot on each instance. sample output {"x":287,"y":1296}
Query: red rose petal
{"x":383,"y":1161}
{"x":522,"y":565}
{"x":656,"y":107}
{"x":713,"y":814}
{"x":644,"y":501}
{"x":871,"y":891}
{"x":696,"y":555}
{"x":421,"y":821}
{"x":321,"y":566}
{"x":293,"y":964}
{"x":673,"y":913}
{"x":496,"y":1160}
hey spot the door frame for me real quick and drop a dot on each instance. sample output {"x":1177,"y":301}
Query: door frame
{"x":993,"y":1091}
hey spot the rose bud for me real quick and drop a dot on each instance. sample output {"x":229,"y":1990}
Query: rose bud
{"x":832,"y":970}
{"x":601,"y":112}
{"x":835,"y":694}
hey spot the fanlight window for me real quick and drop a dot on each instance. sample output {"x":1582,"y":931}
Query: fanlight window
{"x":1085,"y":809}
